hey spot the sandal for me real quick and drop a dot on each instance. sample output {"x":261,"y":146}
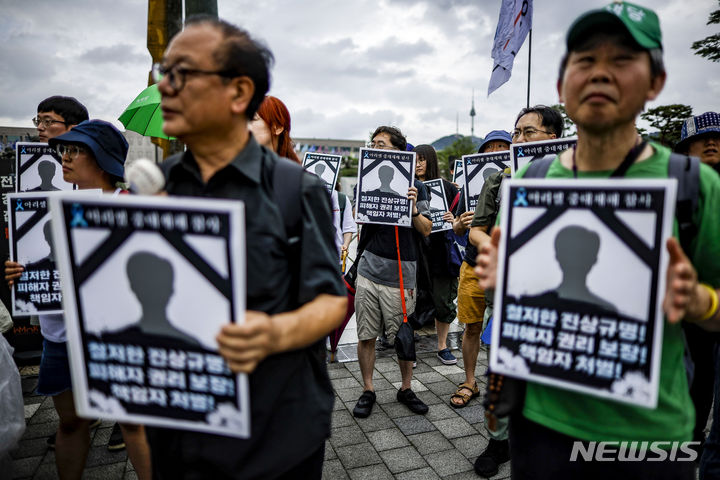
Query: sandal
{"x":464,"y":397}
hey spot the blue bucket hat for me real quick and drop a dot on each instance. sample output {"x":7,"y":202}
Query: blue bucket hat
{"x":495,"y":135}
{"x":697,"y":126}
{"x":107,"y":144}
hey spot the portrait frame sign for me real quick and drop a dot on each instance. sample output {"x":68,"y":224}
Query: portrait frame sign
{"x":148,"y":282}
{"x":438,"y":205}
{"x":323,"y":165}
{"x":38,"y":290}
{"x":458,"y":177}
{"x":524,"y":153}
{"x":564,"y":316}
{"x":384,"y":178}
{"x":39,"y":168}
{"x":476,"y":168}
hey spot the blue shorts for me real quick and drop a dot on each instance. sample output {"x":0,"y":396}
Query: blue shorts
{"x":54,"y":377}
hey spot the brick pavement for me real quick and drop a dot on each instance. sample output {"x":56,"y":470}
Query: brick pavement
{"x":391,"y":443}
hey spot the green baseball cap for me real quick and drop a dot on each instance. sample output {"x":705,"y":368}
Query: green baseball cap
{"x":640,"y":22}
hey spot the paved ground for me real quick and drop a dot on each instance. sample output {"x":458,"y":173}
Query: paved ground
{"x":391,"y":443}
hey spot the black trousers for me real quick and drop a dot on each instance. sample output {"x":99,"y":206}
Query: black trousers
{"x":539,"y":453}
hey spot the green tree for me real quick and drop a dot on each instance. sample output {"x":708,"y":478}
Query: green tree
{"x":709,"y":47}
{"x":667,"y":119}
{"x":461,"y":146}
{"x":568,"y":124}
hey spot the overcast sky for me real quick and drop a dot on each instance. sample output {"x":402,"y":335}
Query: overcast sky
{"x":342,"y":67}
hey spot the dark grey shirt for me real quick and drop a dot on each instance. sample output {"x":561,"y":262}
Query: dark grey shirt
{"x":291,"y":396}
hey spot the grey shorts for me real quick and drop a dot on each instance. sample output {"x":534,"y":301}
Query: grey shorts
{"x":378,"y":309}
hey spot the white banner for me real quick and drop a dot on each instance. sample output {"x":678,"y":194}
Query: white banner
{"x":513,"y":26}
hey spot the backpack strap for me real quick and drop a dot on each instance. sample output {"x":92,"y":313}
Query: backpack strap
{"x":686,"y":170}
{"x":286,"y":186}
{"x":538,"y":168}
{"x":342,"y":202}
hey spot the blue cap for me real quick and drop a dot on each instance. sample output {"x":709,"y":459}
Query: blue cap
{"x":495,"y":135}
{"x":107,"y":144}
{"x":694,"y":127}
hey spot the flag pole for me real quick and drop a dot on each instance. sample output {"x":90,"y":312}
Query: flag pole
{"x":529,"y":60}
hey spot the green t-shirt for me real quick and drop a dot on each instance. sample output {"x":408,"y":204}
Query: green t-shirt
{"x":596,"y":419}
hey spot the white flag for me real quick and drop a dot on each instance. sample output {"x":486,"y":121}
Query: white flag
{"x":514,"y":24}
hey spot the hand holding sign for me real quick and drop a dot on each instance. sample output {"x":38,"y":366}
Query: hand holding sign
{"x":682,"y":286}
{"x":13,"y":270}
{"x":412,"y":196}
{"x":244,"y":346}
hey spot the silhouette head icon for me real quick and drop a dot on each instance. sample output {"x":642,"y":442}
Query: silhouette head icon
{"x":386,"y":175}
{"x":489,"y":171}
{"x":46,"y":170}
{"x":576,"y":248}
{"x":151,"y":279}
{"x":47,"y":232}
{"x":319,"y":169}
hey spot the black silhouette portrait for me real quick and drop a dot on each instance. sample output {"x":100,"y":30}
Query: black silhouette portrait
{"x":576,"y":251}
{"x":385,"y":175}
{"x":151,"y":279}
{"x":48,"y":262}
{"x":489,"y":171}
{"x":46,"y":170}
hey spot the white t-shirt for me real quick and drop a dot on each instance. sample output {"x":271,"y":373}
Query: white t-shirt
{"x":346,"y":224}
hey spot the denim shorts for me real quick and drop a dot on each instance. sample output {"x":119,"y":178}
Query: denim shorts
{"x":54,"y":376}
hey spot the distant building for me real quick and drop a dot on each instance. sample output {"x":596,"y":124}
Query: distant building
{"x":9,"y":136}
{"x":142,"y":147}
{"x":346,"y":148}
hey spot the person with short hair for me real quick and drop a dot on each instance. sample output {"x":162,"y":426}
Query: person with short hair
{"x":56,"y":115}
{"x":93,"y":156}
{"x":378,"y":307}
{"x":214,"y":78}
{"x":612,"y":68}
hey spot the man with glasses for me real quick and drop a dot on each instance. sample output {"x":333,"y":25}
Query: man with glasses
{"x":531,"y":125}
{"x":214,"y":77}
{"x":56,"y":115}
{"x":378,"y":307}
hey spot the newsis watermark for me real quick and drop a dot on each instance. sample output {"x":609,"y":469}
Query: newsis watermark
{"x":644,"y":451}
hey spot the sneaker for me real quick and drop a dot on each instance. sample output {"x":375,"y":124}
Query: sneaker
{"x":410,"y":400}
{"x":383,"y":344}
{"x":496,"y":453}
{"x":414,"y":364}
{"x":446,"y":357}
{"x":364,"y":405}
{"x":116,"y":442}
{"x":51,"y":439}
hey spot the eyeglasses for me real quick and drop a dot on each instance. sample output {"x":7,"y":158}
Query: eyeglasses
{"x":178,"y":75}
{"x":46,"y":121}
{"x":380,"y":145}
{"x":72,"y":151}
{"x":527,"y":132}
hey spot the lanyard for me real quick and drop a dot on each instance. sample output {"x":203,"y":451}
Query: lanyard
{"x":620,"y":171}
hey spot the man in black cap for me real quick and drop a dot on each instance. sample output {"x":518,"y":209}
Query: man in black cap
{"x":613,"y":66}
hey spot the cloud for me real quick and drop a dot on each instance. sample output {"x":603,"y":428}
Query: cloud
{"x":116,"y":54}
{"x":341,"y":67}
{"x":395,"y":50}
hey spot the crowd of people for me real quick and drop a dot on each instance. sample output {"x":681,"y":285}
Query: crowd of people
{"x":214,"y":83}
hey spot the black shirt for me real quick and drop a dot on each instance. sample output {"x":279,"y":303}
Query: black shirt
{"x":291,"y":396}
